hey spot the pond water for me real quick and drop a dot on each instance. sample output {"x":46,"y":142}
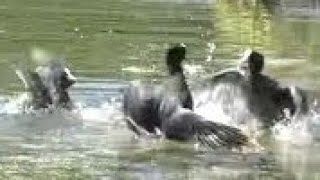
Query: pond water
{"x":108,"y":43}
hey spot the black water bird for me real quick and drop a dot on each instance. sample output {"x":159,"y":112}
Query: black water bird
{"x":150,"y":110}
{"x":266,"y":98}
{"x":48,"y":86}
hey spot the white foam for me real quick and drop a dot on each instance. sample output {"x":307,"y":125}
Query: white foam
{"x":136,"y":69}
{"x":295,"y":132}
{"x":225,"y":104}
{"x":192,"y":70}
{"x":15,"y":104}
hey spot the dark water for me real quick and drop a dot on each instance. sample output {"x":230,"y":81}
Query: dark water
{"x":107,"y":43}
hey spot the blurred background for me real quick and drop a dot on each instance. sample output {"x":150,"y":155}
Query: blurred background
{"x":125,"y":39}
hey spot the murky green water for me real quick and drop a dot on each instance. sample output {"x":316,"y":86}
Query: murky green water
{"x":124,"y":40}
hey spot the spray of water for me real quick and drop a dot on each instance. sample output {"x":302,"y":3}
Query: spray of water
{"x":302,"y":129}
{"x":42,"y":57}
{"x":227,"y":104}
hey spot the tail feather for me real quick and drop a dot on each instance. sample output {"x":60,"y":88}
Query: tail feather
{"x":217,"y":135}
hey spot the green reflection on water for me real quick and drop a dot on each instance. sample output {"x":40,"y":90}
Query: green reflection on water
{"x":242,"y":25}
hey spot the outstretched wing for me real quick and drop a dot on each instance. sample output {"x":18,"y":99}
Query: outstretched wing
{"x":185,"y":125}
{"x":216,"y":135}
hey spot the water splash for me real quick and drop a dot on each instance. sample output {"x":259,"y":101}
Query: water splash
{"x":295,"y":132}
{"x":41,"y":56}
{"x":13,"y":104}
{"x":211,"y":47}
{"x":135,"y":69}
{"x":103,"y":113}
{"x":301,"y":130}
{"x":100,"y":102}
{"x":94,"y":101}
{"x":192,"y":70}
{"x":227,"y":104}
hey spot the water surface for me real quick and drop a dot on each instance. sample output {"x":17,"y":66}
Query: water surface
{"x":107,"y":43}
